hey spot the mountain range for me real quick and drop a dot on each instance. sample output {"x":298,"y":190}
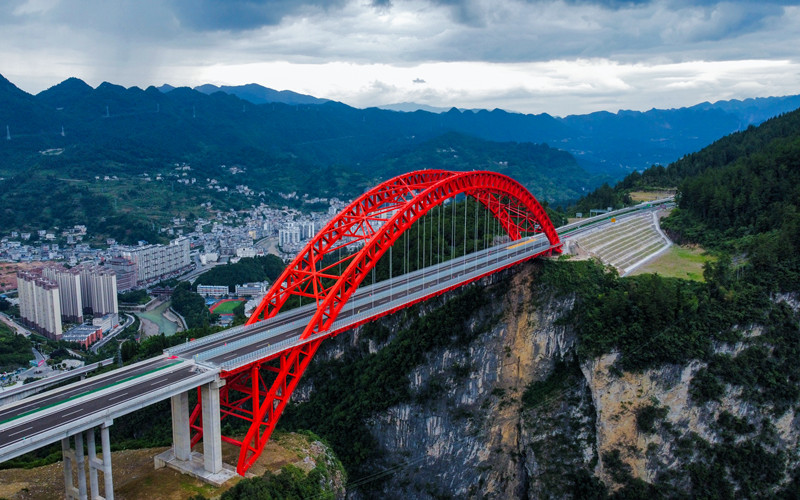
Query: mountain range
{"x":287,"y":141}
{"x":326,"y":133}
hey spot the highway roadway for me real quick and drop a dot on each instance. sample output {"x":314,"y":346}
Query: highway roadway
{"x":34,"y":422}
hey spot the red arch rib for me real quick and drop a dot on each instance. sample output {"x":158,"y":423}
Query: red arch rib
{"x":375,"y":220}
{"x":351,"y":225}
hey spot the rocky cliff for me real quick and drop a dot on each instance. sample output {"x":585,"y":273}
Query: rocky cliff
{"x":498,"y":404}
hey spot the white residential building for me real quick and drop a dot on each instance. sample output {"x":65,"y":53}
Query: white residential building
{"x":39,"y":303}
{"x":69,"y":291}
{"x":157,"y":261}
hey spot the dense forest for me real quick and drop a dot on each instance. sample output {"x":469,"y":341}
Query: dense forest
{"x":191,"y":306}
{"x":550,"y":174}
{"x":739,"y":196}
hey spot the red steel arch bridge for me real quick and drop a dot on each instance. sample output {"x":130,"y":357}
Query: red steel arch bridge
{"x":249,"y":372}
{"x":370,"y":225}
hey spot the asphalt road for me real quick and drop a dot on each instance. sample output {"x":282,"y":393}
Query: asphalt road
{"x":77,"y":389}
{"x":27,"y":428}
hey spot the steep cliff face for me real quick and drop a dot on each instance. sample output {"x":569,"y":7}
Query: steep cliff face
{"x":475,"y":438}
{"x":496,"y":404}
{"x":470,"y":426}
{"x":651,"y":427}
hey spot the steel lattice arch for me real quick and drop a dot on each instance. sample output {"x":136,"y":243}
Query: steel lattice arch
{"x":365,"y":230}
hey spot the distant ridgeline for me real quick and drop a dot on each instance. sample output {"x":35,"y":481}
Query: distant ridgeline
{"x":740,"y":196}
{"x":60,"y":145}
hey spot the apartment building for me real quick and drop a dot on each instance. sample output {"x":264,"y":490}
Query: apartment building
{"x":39,"y":304}
{"x":99,"y":285}
{"x":126,"y":272}
{"x":157,"y":261}
{"x":69,"y":291}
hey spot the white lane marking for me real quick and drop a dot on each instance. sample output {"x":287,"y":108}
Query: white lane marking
{"x":21,"y":431}
{"x":73,"y":412}
{"x":121,"y":395}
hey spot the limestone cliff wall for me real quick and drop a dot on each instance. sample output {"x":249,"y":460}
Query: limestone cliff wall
{"x":514,"y":414}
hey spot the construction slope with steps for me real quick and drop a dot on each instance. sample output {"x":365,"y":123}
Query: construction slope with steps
{"x":627,"y":243}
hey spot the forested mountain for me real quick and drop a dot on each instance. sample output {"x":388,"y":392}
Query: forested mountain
{"x":329,"y":133}
{"x":743,"y":188}
{"x":75,"y":134}
{"x":550,"y":174}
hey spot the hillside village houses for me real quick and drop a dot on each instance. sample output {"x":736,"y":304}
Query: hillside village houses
{"x":231,"y":235}
{"x":68,"y":263}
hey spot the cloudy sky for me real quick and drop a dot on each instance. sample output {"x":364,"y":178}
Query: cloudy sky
{"x":532,"y":56}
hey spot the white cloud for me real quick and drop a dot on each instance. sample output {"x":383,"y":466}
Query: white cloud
{"x":556,"y":56}
{"x":556,"y":87}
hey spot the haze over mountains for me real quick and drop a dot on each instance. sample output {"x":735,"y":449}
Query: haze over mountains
{"x":261,"y":95}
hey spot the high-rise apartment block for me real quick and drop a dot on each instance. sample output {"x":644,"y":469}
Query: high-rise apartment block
{"x":157,"y":261}
{"x":69,"y":291}
{"x":99,"y":287}
{"x":39,"y":303}
{"x":289,"y":235}
{"x":54,"y":294}
{"x":307,"y":230}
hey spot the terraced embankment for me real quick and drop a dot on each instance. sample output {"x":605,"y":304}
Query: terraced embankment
{"x":628,"y":243}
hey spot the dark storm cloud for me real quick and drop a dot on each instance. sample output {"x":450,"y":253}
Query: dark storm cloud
{"x":721,"y":18}
{"x":238,"y":15}
{"x":241,"y":15}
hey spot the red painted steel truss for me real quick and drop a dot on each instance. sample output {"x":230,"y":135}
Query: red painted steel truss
{"x":364,"y":231}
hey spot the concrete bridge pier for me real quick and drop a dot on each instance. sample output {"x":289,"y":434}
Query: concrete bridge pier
{"x":206,"y":466}
{"x":74,"y":460}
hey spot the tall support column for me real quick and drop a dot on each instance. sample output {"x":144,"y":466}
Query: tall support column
{"x":212,"y":432}
{"x":181,"y":433}
{"x":68,"y":454}
{"x":94,"y":465}
{"x":81,"y":469}
{"x":108,"y":479}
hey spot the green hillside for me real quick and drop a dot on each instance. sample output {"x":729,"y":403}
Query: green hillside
{"x":550,"y":174}
{"x":739,"y":196}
